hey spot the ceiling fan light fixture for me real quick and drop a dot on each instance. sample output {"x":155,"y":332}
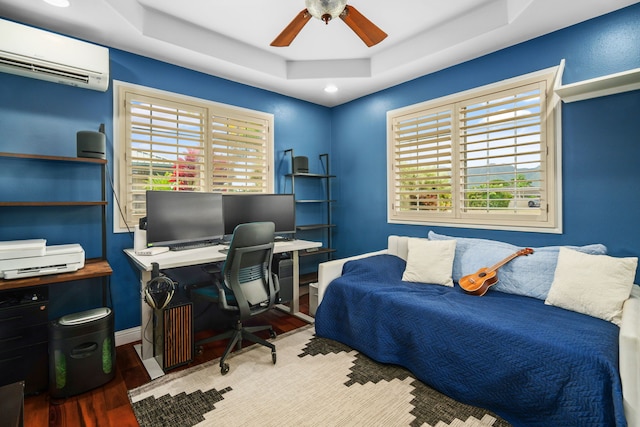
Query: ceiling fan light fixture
{"x":325,"y":10}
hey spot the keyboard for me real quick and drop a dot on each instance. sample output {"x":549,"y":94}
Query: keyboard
{"x":192,"y":245}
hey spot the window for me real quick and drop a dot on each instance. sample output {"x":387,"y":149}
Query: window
{"x":177,"y":143}
{"x":482,"y":158}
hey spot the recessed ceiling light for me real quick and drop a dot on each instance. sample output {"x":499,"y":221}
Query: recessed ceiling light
{"x":331,"y":89}
{"x":58,"y":3}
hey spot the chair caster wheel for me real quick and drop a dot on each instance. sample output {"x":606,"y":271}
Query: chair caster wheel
{"x":199,"y":350}
{"x":224,"y":369}
{"x":272,"y":334}
{"x":273,"y":357}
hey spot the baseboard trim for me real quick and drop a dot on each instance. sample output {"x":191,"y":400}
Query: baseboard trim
{"x":127,"y":336}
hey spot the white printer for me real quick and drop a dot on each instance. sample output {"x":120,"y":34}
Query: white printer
{"x":28,"y":258}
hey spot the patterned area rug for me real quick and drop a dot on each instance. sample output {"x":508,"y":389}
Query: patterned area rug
{"x":315,"y":382}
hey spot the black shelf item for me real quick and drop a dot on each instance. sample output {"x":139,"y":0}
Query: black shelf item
{"x":326,"y":202}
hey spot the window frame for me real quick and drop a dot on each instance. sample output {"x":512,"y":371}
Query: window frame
{"x":436,"y":214}
{"x":211,"y":110}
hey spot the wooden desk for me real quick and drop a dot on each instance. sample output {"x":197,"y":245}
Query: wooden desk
{"x":197,"y":256}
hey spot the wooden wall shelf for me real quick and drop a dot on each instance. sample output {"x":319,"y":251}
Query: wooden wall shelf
{"x":97,"y":203}
{"x":92,"y":268}
{"x":54,"y":158}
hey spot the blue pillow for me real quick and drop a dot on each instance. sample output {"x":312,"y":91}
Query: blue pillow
{"x":529,"y":275}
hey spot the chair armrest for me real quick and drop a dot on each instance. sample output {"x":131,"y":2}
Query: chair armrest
{"x":630,"y":357}
{"x":276,"y":282}
{"x":330,"y":270}
{"x":222,"y":294}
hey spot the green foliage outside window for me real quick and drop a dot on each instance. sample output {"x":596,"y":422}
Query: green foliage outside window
{"x":489,"y":195}
{"x":423,"y":189}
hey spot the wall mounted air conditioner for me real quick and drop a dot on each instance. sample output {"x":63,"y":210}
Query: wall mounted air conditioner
{"x":39,"y":54}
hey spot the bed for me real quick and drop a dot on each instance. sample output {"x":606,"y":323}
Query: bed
{"x":532,"y":363}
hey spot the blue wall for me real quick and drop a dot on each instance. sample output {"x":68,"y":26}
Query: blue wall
{"x":601,"y":141}
{"x":600,"y":148}
{"x":42,"y":118}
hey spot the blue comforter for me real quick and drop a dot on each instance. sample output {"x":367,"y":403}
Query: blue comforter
{"x":532,"y":364}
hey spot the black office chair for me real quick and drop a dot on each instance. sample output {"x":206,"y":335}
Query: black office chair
{"x":247,"y":288}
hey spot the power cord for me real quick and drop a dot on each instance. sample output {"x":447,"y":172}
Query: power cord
{"x":117,"y":201}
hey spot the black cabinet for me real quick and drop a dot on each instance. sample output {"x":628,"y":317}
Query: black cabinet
{"x":23,"y":338}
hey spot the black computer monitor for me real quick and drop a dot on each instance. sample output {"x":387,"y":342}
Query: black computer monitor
{"x":277,"y":208}
{"x":178,"y":217}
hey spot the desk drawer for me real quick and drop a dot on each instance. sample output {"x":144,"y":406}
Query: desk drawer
{"x":24,"y":315}
{"x":28,"y":364}
{"x":11,"y":338}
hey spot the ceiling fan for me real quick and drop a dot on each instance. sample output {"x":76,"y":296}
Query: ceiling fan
{"x":326,"y":10}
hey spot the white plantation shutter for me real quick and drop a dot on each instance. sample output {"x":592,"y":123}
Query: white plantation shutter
{"x":422,"y":162}
{"x":240,"y":154}
{"x":503,"y":153}
{"x":165,"y":149}
{"x":485,"y":157}
{"x":173,"y":143}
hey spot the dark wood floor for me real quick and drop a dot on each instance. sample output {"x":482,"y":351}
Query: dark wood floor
{"x":109,"y":405}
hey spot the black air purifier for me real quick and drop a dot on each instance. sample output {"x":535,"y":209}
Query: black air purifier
{"x":91,"y":144}
{"x":82,"y":352}
{"x":300,"y":164}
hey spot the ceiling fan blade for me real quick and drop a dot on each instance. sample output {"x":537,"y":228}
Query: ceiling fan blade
{"x":365,"y":29}
{"x":291,"y":31}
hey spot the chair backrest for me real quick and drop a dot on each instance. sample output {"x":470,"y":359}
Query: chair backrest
{"x":247,"y":269}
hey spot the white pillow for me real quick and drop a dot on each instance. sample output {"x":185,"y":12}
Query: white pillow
{"x":430,"y":261}
{"x":596,"y":285}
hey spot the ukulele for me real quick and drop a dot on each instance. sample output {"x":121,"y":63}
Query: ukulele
{"x":479,"y":282}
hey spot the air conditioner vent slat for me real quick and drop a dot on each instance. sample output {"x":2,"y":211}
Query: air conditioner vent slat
{"x":84,"y":78}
